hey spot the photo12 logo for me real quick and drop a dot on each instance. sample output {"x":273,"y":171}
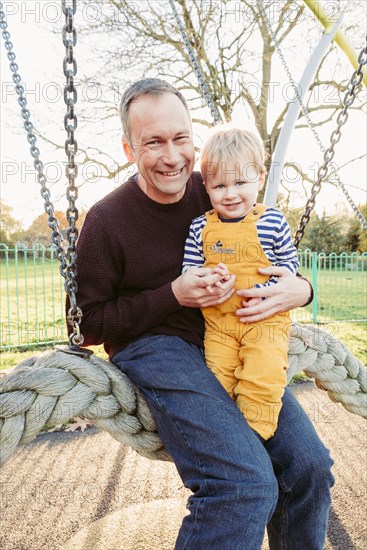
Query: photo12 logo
{"x":89,"y":12}
{"x":235,"y":11}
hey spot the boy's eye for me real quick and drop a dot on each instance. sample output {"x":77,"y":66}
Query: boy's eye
{"x":219,"y":186}
{"x":239,"y":183}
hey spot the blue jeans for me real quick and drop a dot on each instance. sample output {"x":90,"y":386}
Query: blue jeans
{"x":240,"y":485}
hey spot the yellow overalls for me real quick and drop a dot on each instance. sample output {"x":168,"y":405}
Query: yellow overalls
{"x":250,"y":360}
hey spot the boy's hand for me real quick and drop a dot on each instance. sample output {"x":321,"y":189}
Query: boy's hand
{"x":191,"y":288}
{"x":221,"y":270}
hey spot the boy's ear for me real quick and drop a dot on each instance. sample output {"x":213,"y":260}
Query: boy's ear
{"x":127,"y":150}
{"x":262,"y":179}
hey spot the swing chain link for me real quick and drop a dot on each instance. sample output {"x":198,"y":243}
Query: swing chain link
{"x":335,"y":137}
{"x":195,"y":64}
{"x":342,"y":118}
{"x":66,"y":259}
{"x":69,"y":37}
{"x":66,"y":10}
{"x":74,"y":318}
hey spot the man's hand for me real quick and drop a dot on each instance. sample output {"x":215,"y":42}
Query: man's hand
{"x":289,"y":292}
{"x":191,"y":289}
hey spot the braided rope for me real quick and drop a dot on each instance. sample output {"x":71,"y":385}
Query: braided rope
{"x":331,"y":363}
{"x":52,"y":387}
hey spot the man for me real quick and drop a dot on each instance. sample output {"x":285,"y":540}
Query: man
{"x":137,"y":303}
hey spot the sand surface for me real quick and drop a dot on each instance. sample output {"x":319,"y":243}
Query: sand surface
{"x":84,"y":491}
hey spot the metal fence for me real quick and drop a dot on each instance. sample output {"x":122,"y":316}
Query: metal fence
{"x":32,"y":297}
{"x":340,"y":287}
{"x":32,"y":293}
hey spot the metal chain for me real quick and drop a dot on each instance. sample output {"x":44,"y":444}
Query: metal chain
{"x":66,"y":271}
{"x":329,"y":152}
{"x":69,"y":38}
{"x":32,"y":140}
{"x":335,"y":137}
{"x":195,"y":64}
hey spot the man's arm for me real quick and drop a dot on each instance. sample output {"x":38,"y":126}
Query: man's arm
{"x":106,"y":314}
{"x":290,"y":292}
{"x":110,"y":317}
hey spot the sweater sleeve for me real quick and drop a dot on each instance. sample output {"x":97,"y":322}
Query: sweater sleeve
{"x":107,"y":315}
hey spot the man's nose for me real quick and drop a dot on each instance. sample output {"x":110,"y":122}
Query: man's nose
{"x":170,"y":154}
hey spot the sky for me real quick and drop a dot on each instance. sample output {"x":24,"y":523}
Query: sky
{"x":39,"y":54}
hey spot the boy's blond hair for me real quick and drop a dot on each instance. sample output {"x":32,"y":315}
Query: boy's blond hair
{"x":233,"y":146}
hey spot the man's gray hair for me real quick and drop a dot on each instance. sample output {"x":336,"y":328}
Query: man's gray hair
{"x":147,"y":86}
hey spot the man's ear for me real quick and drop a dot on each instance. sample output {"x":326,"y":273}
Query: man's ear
{"x":127,"y":150}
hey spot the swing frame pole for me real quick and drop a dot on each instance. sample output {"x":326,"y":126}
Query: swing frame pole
{"x":278,"y":160}
{"x":340,"y":39}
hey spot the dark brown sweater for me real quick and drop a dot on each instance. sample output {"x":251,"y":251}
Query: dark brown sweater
{"x":129,"y":251}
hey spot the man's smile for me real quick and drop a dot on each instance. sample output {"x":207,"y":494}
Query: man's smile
{"x":175,"y":173}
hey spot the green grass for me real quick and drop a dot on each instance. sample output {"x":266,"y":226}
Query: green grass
{"x":353,"y":335}
{"x":341,"y":295}
{"x":32,"y":302}
{"x":10,"y":359}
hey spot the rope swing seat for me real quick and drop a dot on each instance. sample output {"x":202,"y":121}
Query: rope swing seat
{"x":54,"y":386}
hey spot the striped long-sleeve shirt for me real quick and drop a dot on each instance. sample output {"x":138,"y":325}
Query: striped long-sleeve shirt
{"x":274,"y":236}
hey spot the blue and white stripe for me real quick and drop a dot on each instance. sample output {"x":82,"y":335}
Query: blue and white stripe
{"x":274,"y":235}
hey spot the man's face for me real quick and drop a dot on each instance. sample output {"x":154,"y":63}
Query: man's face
{"x":161,"y":146}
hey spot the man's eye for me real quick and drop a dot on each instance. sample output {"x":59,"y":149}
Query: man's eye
{"x":155,"y":142}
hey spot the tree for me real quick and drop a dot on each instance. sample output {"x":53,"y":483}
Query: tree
{"x":356,"y":237}
{"x":40,"y":232}
{"x":324,"y":234}
{"x":10,"y":228}
{"x":235,"y":52}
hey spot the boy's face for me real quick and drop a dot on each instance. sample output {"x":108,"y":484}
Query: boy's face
{"x":234,"y":188}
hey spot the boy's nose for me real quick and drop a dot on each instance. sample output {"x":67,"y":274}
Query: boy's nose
{"x":230,"y":192}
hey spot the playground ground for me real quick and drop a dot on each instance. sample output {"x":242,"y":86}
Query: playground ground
{"x":84,"y":491}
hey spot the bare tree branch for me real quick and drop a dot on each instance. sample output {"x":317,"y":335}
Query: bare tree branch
{"x":235,"y":55}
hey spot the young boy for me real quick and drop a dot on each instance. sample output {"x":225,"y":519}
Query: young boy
{"x":249,"y":360}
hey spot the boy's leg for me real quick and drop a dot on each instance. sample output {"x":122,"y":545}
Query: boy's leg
{"x":216,"y":453}
{"x":222,"y":356}
{"x":262,"y":374}
{"x":302,"y":465}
